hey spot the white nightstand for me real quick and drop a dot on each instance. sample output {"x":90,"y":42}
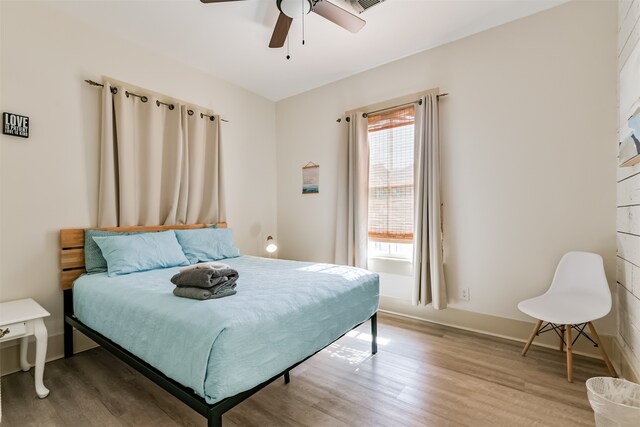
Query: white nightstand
{"x":21,"y":319}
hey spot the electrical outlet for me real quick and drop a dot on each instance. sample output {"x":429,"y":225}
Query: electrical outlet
{"x":464,"y":294}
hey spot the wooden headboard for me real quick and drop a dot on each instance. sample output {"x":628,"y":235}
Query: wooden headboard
{"x":72,"y":246}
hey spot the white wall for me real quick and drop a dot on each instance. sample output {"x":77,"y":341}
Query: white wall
{"x":628,"y":203}
{"x":49,"y":181}
{"x":527,"y":153}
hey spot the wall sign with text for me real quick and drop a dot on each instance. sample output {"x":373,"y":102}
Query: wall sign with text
{"x":15,"y":125}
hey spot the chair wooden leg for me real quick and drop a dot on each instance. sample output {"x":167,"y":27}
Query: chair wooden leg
{"x":603,"y":353}
{"x":533,"y":335}
{"x":567,"y":338}
{"x":561,"y":345}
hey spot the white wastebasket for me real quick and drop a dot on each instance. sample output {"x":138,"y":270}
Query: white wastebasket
{"x":616,"y":402}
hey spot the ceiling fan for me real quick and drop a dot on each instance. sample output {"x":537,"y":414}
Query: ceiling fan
{"x":290,"y":9}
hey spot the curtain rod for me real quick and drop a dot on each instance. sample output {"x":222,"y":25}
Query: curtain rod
{"x":145,"y":99}
{"x":419,"y":101}
{"x":406,"y":104}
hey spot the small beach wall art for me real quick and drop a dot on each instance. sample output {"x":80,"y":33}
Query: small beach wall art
{"x":311,"y":178}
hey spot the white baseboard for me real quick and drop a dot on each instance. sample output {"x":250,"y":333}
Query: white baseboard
{"x":10,"y":351}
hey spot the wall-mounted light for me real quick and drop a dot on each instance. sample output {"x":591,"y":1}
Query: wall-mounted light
{"x":271,"y":245}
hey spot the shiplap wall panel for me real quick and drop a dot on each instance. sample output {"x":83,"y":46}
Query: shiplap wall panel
{"x":628,"y":199}
{"x":631,"y":304}
{"x":629,"y":47}
{"x":629,"y":319}
{"x":629,"y":220}
{"x":632,"y":355}
{"x":628,"y":25}
{"x":623,"y":9}
{"x":629,"y":191}
{"x":624,"y":173}
{"x":629,"y":247}
{"x":629,"y":87}
{"x":626,"y":274}
{"x":628,"y":33}
{"x":629,"y":333}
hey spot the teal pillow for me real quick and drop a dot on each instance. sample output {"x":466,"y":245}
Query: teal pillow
{"x":94,"y":262}
{"x":141,"y":252}
{"x":207,"y":244}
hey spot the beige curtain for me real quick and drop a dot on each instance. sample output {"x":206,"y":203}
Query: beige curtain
{"x":158,"y":165}
{"x":202,"y":190}
{"x":353,"y":197}
{"x":429,"y":285}
{"x":108,"y":181}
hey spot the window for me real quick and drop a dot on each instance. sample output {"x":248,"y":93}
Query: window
{"x":391,"y":147}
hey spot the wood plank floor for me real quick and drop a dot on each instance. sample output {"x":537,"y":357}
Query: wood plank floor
{"x":423,"y":375}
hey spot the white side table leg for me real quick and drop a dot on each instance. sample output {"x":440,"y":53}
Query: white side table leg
{"x":24,"y":346}
{"x":40,"y":331}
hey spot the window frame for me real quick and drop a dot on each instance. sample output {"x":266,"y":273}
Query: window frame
{"x":387,"y":187}
{"x":371,"y":109}
{"x":391,"y":255}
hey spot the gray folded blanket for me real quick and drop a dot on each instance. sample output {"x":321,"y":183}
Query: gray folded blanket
{"x":201,"y":294}
{"x":205,"y":284}
{"x":205,"y":278}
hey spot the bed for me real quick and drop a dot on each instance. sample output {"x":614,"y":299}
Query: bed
{"x":214,"y":354}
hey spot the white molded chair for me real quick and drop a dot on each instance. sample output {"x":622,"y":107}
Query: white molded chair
{"x":578,"y":295}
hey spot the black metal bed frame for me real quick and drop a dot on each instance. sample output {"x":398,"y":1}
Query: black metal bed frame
{"x":212,"y":412}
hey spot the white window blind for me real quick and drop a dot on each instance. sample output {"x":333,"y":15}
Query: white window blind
{"x":391,"y":145}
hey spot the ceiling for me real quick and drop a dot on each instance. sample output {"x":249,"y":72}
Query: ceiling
{"x":230,"y":40}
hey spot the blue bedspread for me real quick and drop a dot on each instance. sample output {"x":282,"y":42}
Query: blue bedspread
{"x":283,"y":312}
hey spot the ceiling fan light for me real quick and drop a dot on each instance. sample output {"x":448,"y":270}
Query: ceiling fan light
{"x":293,"y":8}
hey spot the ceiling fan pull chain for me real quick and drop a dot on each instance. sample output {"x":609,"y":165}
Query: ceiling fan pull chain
{"x":303,"y":21}
{"x":288,"y":56}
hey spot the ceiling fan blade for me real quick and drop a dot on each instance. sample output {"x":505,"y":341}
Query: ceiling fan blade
{"x":280,"y":31}
{"x":339,"y":16}
{"x":217,"y":1}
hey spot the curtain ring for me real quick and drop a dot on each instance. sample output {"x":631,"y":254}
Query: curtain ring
{"x":348,"y":119}
{"x":126,"y":92}
{"x":144,"y":98}
{"x":157,"y":103}
{"x":212,"y":118}
{"x":201,"y":115}
{"x":114,"y":90}
{"x":171,"y":107}
{"x":190,"y":112}
{"x":365,"y":115}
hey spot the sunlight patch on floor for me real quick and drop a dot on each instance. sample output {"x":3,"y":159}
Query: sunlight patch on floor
{"x":347,"y":354}
{"x":366,"y":337}
{"x":352,"y":355}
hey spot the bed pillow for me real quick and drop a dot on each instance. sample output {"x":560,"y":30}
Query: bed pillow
{"x":207,"y":244}
{"x":94,"y":262}
{"x":141,"y":252}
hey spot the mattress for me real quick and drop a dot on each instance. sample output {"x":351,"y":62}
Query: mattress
{"x":283,"y":312}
